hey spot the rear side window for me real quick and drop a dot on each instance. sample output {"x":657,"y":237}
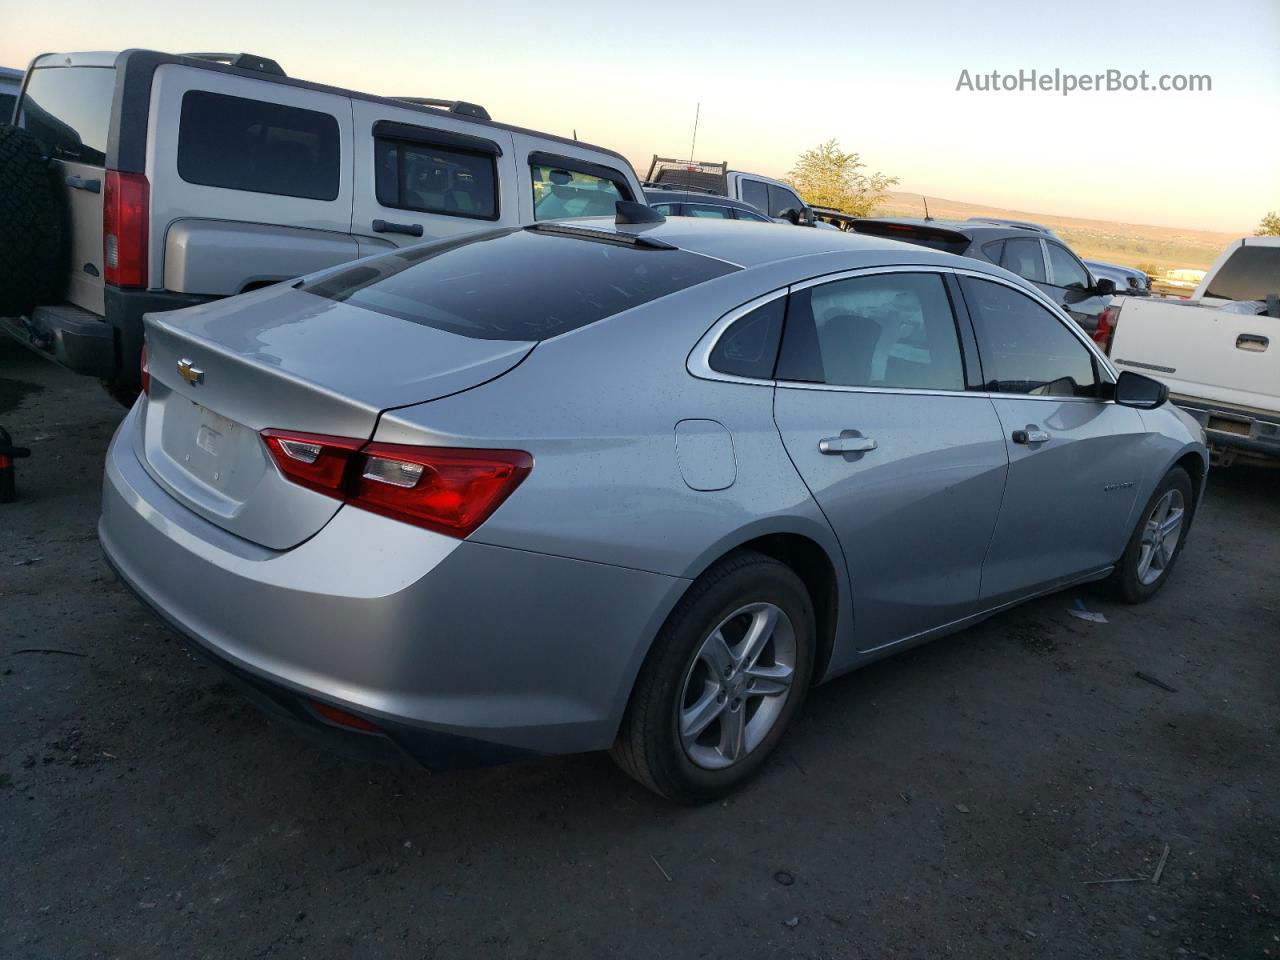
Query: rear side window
{"x":756,"y":193}
{"x":242,"y":144}
{"x":749,"y":347}
{"x":68,"y":111}
{"x":1251,"y":273}
{"x":1025,"y":258}
{"x":564,"y":188}
{"x":707,"y":210}
{"x":516,"y":284}
{"x":891,"y":331}
{"x":435,"y":179}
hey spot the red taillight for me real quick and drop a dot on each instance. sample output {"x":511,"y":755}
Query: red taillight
{"x":448,"y":490}
{"x":125,"y":200}
{"x":313,"y":460}
{"x":144,"y":371}
{"x":1105,"y":331}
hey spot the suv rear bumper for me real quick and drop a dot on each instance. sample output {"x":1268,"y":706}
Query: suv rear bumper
{"x":91,"y":344}
{"x":1238,"y":428}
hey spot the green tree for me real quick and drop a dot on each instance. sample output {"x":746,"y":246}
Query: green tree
{"x":826,"y":176}
{"x":1269,"y":226}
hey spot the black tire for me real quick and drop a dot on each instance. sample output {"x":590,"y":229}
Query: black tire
{"x":649,"y":747}
{"x":1126,"y":581}
{"x":31,"y":225}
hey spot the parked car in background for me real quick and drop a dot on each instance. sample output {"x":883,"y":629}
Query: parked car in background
{"x":698,"y":203}
{"x":1181,"y":282}
{"x":585,"y":485}
{"x":191,"y":177}
{"x":1128,"y":280}
{"x":1024,"y":249}
{"x":772,"y":197}
{"x":1219,"y":351}
{"x":10,"y":82}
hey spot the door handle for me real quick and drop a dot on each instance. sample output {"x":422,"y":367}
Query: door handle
{"x":846,"y":445}
{"x":387,"y":226}
{"x":1029,"y":436}
{"x":1252,"y":341}
{"x":84,"y":183}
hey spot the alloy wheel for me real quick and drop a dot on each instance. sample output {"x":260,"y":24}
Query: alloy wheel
{"x":737,"y":685}
{"x":1160,"y":536}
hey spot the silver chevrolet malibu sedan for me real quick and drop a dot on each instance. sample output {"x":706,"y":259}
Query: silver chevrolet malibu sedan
{"x":620,"y":485}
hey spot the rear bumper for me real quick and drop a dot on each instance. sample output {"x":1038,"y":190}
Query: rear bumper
{"x":97,"y":346}
{"x":1234,"y":427}
{"x":460,"y":652}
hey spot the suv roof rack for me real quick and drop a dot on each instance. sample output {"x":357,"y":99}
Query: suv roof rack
{"x":453,"y":106}
{"x":674,"y":174}
{"x":242,"y":61}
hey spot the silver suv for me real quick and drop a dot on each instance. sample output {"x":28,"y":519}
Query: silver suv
{"x":183,"y":178}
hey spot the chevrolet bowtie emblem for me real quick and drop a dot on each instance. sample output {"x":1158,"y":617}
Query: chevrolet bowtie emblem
{"x":190,"y":372}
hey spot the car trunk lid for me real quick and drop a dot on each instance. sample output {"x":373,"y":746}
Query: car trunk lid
{"x":283,"y":359}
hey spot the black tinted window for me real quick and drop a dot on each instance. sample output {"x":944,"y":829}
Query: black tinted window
{"x":1067,"y":270}
{"x":780,"y":199}
{"x":417,"y":176}
{"x":68,"y":111}
{"x":1024,"y":347}
{"x":707,"y":210}
{"x":756,"y":193}
{"x":1250,"y":273}
{"x":261,"y":147}
{"x":516,"y":285}
{"x":7,"y":100}
{"x":893,"y":331}
{"x":750,"y":347}
{"x":1024,"y":258}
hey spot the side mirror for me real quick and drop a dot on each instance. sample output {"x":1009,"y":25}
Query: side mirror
{"x":790,"y":214}
{"x":1135,"y":390}
{"x":1104,"y":287}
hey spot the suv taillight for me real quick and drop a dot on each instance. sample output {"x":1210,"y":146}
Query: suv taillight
{"x":125,"y":200}
{"x":446,"y":489}
{"x":1105,"y":331}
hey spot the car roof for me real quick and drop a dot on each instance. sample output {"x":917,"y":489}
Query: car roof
{"x":973,"y":230}
{"x":751,"y":244}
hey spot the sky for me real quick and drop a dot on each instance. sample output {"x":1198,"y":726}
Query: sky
{"x":775,"y":79}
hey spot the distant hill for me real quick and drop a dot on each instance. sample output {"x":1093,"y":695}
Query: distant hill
{"x":1129,"y":243}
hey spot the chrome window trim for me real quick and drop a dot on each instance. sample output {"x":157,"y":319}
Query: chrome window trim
{"x":698,"y":362}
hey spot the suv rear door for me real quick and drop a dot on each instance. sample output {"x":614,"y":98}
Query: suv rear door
{"x":66,"y":106}
{"x":422,"y":177}
{"x":249,"y":157}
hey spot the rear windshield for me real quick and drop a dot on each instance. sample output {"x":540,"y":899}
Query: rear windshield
{"x":944,"y":240}
{"x":1251,"y":273}
{"x":68,"y":111}
{"x":516,"y":285}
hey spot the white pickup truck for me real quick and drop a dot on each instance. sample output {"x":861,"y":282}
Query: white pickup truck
{"x":1218,"y":350}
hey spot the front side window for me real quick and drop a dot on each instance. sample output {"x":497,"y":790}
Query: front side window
{"x":560,"y":191}
{"x":892,"y":331}
{"x":435,"y":179}
{"x":1024,"y":258}
{"x":68,"y":111}
{"x":1026,"y":349}
{"x":1251,"y":273}
{"x":666,"y":209}
{"x":242,"y":144}
{"x":756,"y":193}
{"x":750,"y":346}
{"x":748,"y":215}
{"x":781,"y":199}
{"x":1067,"y":270}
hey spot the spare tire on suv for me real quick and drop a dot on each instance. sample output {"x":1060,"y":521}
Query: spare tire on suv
{"x":31,"y":225}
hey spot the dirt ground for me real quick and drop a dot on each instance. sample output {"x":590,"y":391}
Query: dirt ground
{"x":951,"y":802}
